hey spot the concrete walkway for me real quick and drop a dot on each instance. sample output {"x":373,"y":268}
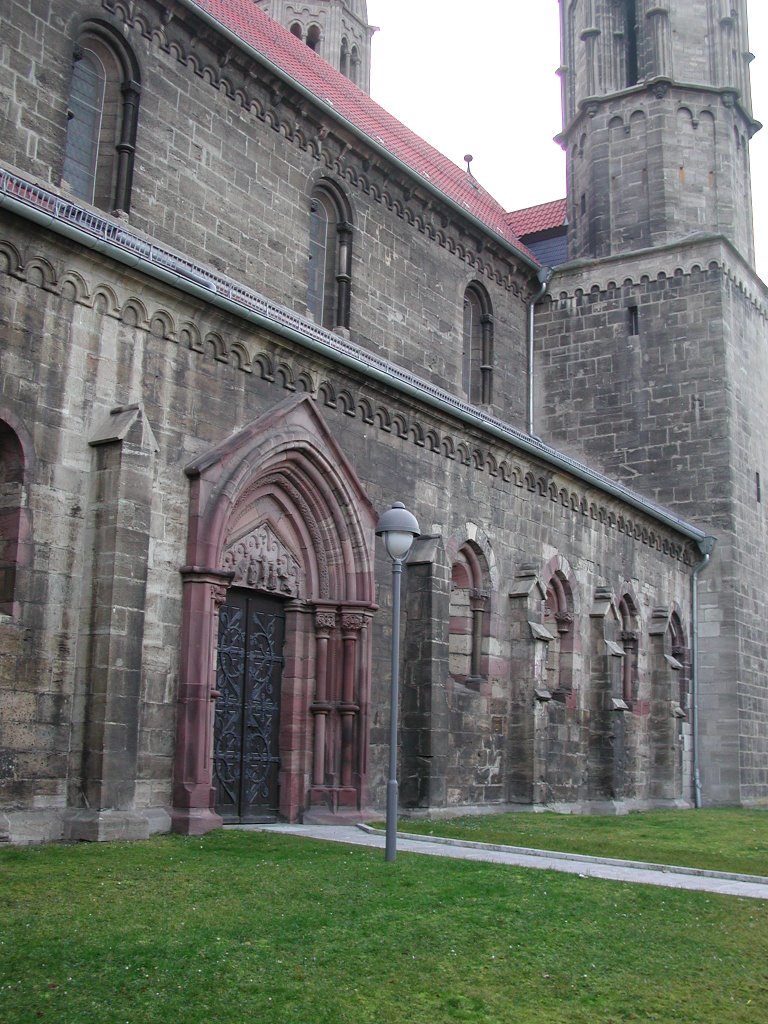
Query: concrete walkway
{"x":728,"y":884}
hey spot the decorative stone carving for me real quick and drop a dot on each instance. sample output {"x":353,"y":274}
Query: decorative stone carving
{"x":325,"y":622}
{"x":352,"y":623}
{"x":261,"y":561}
{"x":564,"y":621}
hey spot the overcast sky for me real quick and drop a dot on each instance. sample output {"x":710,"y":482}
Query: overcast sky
{"x":480,"y":78}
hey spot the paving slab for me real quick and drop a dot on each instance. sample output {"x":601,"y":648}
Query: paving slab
{"x":671,"y":877}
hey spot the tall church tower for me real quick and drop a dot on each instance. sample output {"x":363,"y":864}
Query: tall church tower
{"x":657,"y":117}
{"x":337,"y":30}
{"x":652,"y":348}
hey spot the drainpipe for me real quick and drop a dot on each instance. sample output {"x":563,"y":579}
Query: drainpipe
{"x":706,"y":546}
{"x":544,"y":276}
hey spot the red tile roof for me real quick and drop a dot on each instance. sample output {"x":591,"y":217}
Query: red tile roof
{"x":537,"y":218}
{"x":248,"y":21}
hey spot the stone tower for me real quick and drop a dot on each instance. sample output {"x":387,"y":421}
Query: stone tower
{"x":337,"y":30}
{"x":651,"y":347}
{"x":656,"y":122}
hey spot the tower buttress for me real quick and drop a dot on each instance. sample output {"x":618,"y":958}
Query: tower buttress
{"x":657,"y":119}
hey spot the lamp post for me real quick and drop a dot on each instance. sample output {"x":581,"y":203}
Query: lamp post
{"x":397,"y":528}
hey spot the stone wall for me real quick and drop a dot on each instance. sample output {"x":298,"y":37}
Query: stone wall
{"x":118,"y":382}
{"x":652,"y":367}
{"x":657,"y":122}
{"x":227,"y":156}
{"x":186,"y":377}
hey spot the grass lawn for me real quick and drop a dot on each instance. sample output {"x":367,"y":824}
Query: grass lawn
{"x":253,"y":927}
{"x":729,"y":839}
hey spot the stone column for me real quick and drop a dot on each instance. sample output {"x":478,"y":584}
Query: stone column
{"x":486,"y":359}
{"x":351,"y":626}
{"x":126,"y":147}
{"x":325,"y":624}
{"x":629,"y":639}
{"x":343,"y":272}
{"x":478,"y":602}
{"x":204,"y":591}
{"x":590,"y":38}
{"x":660,"y":41}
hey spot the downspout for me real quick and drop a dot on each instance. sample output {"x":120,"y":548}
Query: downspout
{"x":544,"y":276}
{"x":706,"y":546}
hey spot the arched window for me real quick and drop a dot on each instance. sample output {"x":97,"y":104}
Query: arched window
{"x":558,"y":618}
{"x":313,"y":37}
{"x":11,"y":483}
{"x":344,"y":58}
{"x":102,"y":113}
{"x":296,"y":30}
{"x":468,"y":627}
{"x":354,"y":66}
{"x":477,"y":353}
{"x":330,"y":258}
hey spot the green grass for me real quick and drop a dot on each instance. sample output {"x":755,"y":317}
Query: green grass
{"x":254,"y":927}
{"x":730,"y":839}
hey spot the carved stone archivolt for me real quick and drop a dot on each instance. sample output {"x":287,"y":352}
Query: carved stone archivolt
{"x":261,"y":561}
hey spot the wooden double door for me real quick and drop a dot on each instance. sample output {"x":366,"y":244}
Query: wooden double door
{"x":246,"y":747}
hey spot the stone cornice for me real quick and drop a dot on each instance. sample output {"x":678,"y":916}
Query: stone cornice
{"x":519,"y":463}
{"x":695,"y":254}
{"x":653,"y":89}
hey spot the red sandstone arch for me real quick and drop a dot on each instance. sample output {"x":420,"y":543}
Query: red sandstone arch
{"x":282,"y":477}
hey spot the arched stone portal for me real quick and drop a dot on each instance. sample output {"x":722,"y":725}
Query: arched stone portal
{"x":277,"y":510}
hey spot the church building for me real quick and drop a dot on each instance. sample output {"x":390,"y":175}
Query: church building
{"x":244,"y":310}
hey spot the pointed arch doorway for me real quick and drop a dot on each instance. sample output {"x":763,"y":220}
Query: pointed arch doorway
{"x":277,"y":514}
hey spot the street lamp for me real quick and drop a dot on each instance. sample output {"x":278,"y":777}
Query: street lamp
{"x":398,"y":528}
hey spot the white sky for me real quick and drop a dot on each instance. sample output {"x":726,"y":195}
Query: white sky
{"x":479,"y":77}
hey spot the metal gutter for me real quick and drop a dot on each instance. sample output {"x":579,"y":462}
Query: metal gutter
{"x":115,"y":240}
{"x":332,"y":112}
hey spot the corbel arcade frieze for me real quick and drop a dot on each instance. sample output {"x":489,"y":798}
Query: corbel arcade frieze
{"x":253,"y":351}
{"x":576,"y":285}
